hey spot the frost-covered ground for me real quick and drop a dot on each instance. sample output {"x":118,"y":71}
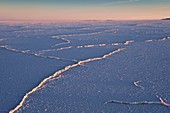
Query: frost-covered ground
{"x":85,"y":67}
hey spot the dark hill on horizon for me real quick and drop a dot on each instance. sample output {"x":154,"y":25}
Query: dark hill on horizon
{"x":166,"y":19}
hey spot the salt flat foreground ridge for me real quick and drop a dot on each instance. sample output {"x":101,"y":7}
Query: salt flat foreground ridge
{"x":85,"y":67}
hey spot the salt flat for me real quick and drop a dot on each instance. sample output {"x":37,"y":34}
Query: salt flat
{"x":112,"y":67}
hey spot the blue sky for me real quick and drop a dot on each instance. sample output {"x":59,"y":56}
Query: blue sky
{"x":88,"y":2}
{"x":85,"y":2}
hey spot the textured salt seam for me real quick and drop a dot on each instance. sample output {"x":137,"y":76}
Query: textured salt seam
{"x":58,"y":77}
{"x":85,"y":46}
{"x":162,"y":102}
{"x":35,"y":54}
{"x":159,"y":40}
{"x":96,"y":45}
{"x":137,"y":84}
{"x":61,"y":37}
{"x":81,"y":63}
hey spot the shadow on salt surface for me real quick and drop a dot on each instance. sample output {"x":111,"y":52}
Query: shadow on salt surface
{"x":20,"y":73}
{"x":86,"y":89}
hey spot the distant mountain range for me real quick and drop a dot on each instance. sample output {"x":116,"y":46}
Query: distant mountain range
{"x":166,"y":19}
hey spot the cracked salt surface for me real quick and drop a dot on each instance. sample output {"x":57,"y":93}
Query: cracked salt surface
{"x":81,"y":66}
{"x":89,"y":88}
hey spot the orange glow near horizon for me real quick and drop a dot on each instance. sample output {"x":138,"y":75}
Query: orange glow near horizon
{"x":78,"y":13}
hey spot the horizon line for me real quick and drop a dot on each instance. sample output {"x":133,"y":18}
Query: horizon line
{"x":92,"y":20}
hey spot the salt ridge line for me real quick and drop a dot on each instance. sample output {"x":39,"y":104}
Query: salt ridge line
{"x":89,"y":46}
{"x":71,"y":35}
{"x":81,"y":34}
{"x":137,"y":84}
{"x":162,"y":102}
{"x":84,"y":46}
{"x":61,"y":38}
{"x":104,"y":45}
{"x":159,"y":40}
{"x":35,"y":54}
{"x":56,"y":74}
{"x":127,"y":42}
{"x":97,"y":45}
{"x":78,"y":47}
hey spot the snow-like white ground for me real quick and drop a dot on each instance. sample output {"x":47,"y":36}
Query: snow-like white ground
{"x":85,"y":67}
